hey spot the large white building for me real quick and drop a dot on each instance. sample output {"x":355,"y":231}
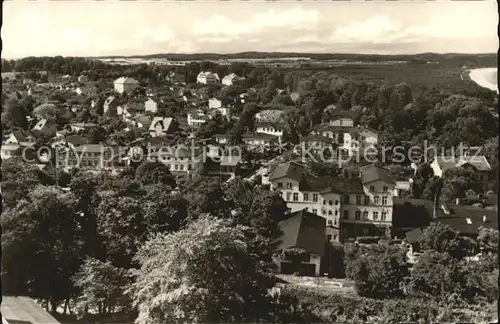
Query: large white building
{"x":231,"y":79}
{"x":359,"y":206}
{"x":207,"y":78}
{"x":196,"y":118}
{"x":125,"y":84}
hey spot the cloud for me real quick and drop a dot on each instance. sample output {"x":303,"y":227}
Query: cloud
{"x":220,"y":25}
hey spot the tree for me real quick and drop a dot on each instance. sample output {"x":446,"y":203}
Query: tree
{"x":207,"y":272}
{"x":205,"y":195}
{"x":101,"y":288}
{"x":441,"y":238}
{"x":18,"y":178}
{"x":14,"y":114}
{"x":41,"y":245}
{"x":154,"y":172}
{"x":488,"y":239}
{"x":164,"y":210}
{"x":379,"y":271}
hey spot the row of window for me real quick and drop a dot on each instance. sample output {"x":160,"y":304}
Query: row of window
{"x":315,"y":197}
{"x":384,"y":189}
{"x":265,"y":129}
{"x":178,"y":167}
{"x":375,"y":215}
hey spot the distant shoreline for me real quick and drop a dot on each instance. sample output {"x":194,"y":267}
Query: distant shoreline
{"x":485,"y":77}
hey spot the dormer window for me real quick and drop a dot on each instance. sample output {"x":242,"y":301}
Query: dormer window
{"x":372,"y":188}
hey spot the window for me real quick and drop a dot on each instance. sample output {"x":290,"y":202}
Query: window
{"x":330,"y":202}
{"x":330,"y":213}
{"x":336,"y":212}
{"x":346,"y":214}
{"x":189,"y":166}
{"x":365,"y":215}
{"x":329,"y":237}
{"x":335,"y":222}
{"x":336,"y":202}
{"x":367,"y":200}
{"x":384,"y":216}
{"x":295,"y":196}
{"x":386,"y":189}
{"x":182,"y":167}
{"x":306,"y":197}
{"x":384,"y":200}
{"x":346,"y":199}
{"x":329,"y":222}
{"x":289,"y":185}
{"x":280,"y":184}
{"x":315,"y":211}
{"x":323,"y":212}
{"x":177,"y":167}
{"x":376,"y":199}
{"x":358,"y":215}
{"x":358,"y":200}
{"x":335,"y":237}
{"x":372,"y":188}
{"x":315,"y":197}
{"x":288,"y":196}
{"x":375,"y":215}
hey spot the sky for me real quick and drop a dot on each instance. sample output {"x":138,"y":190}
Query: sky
{"x":113,"y":27}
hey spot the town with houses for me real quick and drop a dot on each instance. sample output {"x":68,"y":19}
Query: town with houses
{"x":333,"y":186}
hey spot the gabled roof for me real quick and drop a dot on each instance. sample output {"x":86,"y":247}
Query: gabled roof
{"x":163,"y":122}
{"x":22,"y":136}
{"x":291,"y":169}
{"x":228,"y":160}
{"x":109,"y":100}
{"x":449,"y":162}
{"x":371,"y":173}
{"x":260,"y":136}
{"x":305,"y":230}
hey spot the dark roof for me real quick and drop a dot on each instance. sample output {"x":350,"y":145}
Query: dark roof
{"x":413,"y":236}
{"x":305,"y":230}
{"x":374,"y":172}
{"x":77,"y":140}
{"x":22,"y":136}
{"x":260,"y":136}
{"x":418,"y":213}
{"x":316,"y":137}
{"x":291,"y":169}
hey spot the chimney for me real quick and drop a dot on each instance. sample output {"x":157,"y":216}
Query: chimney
{"x":484,"y":218}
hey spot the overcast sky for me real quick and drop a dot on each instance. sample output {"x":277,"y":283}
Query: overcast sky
{"x":111,"y":27}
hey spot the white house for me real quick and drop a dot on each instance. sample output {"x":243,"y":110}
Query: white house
{"x":160,"y":126}
{"x":125,"y":84}
{"x":196,"y":118}
{"x":207,"y":78}
{"x":269,"y":128}
{"x":214,"y":103}
{"x":269,"y":115}
{"x":88,"y":90}
{"x":151,"y":105}
{"x":83,"y":78}
{"x":231,"y":79}
{"x":359,"y":206}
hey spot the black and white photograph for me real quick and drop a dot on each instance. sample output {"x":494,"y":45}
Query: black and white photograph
{"x":249,"y":162}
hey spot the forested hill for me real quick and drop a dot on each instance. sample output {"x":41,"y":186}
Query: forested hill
{"x":452,"y":58}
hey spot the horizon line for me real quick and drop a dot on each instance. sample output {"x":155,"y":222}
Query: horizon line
{"x":253,"y":52}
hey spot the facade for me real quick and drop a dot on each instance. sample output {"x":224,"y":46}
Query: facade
{"x":269,"y":116}
{"x":151,"y":106}
{"x":196,"y":118}
{"x":181,"y":160}
{"x":259,"y":140}
{"x":347,"y":138}
{"x":90,"y":156}
{"x":359,"y":206}
{"x":125,"y":84}
{"x":270,"y":129}
{"x":207,"y":78}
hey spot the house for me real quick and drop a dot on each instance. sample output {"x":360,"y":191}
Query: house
{"x":353,"y":207}
{"x":24,"y":310}
{"x":259,"y":140}
{"x":478,"y":164}
{"x":110,"y":106}
{"x":270,"y":128}
{"x":341,"y":119}
{"x":83,"y":78}
{"x":207,"y":78}
{"x":269,"y":115}
{"x":44,"y":127}
{"x":151,"y":105}
{"x":412,"y":214}
{"x":221,"y":138}
{"x":125,"y":84}
{"x":161,"y":126}
{"x":130,"y":110}
{"x":196,"y":118}
{"x":90,"y":156}
{"x":317,"y":144}
{"x":231,"y":79}
{"x":182,"y":161}
{"x":20,"y":137}
{"x":76,"y":127}
{"x":142,"y":121}
{"x":306,"y":231}
{"x":87,"y":90}
{"x":221,"y":163}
